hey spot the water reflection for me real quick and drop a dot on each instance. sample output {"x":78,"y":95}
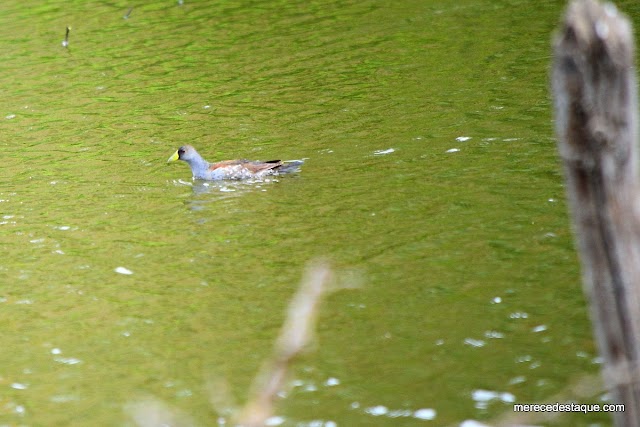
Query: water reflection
{"x":421,"y":414}
{"x":377,"y":93}
{"x":483,"y":398}
{"x":206,"y":192}
{"x":223,"y":188}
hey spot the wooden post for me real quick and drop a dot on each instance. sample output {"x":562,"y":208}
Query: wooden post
{"x":594,"y":89}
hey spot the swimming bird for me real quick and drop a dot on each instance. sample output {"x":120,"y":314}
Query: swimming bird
{"x":231,"y":169}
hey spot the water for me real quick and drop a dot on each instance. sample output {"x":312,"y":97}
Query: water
{"x":431,"y":177}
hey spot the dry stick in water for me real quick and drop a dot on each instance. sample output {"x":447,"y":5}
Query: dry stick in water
{"x":65,"y":42}
{"x":594,"y":90}
{"x":296,"y":333}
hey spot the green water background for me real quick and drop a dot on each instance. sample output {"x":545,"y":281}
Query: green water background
{"x":431,"y":175}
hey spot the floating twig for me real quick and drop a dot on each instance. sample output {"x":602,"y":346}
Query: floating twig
{"x":65,"y":42}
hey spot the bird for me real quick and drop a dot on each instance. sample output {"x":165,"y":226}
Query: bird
{"x":231,"y":169}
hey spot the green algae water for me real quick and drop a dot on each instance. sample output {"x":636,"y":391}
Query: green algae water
{"x":430,"y":171}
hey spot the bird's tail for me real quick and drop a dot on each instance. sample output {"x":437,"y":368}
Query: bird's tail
{"x":289,"y":166}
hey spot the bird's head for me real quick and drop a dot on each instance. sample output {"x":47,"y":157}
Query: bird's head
{"x":186,"y":152}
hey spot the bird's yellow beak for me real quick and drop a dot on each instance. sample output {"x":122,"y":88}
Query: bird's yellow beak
{"x":175,"y":156}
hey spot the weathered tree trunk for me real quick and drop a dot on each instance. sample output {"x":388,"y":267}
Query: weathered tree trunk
{"x":594,"y":90}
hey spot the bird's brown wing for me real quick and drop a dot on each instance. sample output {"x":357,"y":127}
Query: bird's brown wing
{"x":253,"y":167}
{"x":225,"y":163}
